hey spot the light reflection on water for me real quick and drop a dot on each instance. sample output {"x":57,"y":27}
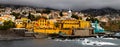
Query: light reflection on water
{"x":52,"y":43}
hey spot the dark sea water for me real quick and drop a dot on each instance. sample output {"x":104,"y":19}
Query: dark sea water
{"x":52,"y":43}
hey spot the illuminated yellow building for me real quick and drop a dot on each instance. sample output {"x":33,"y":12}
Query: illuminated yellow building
{"x":84,"y":24}
{"x":48,"y":26}
{"x":52,"y":31}
{"x":69,"y":23}
{"x":74,"y":24}
{"x":65,"y":26}
{"x":45,"y":26}
{"x":19,"y":23}
{"x":42,"y":23}
{"x":22,"y":23}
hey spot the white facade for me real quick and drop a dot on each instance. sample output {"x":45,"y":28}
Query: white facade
{"x":69,"y":13}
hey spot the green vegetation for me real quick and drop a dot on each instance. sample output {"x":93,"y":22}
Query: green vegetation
{"x":92,"y":20}
{"x":7,"y":25}
{"x":38,"y":11}
{"x":56,"y":24}
{"x":75,"y":16}
{"x":24,"y":12}
{"x":15,"y":14}
{"x":31,"y":17}
{"x":61,"y":14}
{"x":47,"y":11}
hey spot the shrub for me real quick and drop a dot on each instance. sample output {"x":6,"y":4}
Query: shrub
{"x":7,"y":25}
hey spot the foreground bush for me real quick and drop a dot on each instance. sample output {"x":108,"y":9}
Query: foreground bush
{"x":7,"y":25}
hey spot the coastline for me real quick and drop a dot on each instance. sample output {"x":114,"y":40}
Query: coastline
{"x":15,"y":38}
{"x":11,"y":35}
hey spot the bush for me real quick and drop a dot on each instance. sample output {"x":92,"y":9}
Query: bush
{"x":75,"y":16}
{"x":7,"y":25}
{"x":56,"y":24}
{"x":15,"y":14}
{"x":31,"y":17}
{"x":61,"y":14}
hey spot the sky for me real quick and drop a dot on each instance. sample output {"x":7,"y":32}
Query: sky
{"x":65,"y":4}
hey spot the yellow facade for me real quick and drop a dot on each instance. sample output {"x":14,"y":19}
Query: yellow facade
{"x":30,"y":25}
{"x":70,"y":25}
{"x":84,"y":24}
{"x":45,"y":26}
{"x":20,"y":23}
{"x":47,"y":31}
{"x":51,"y":24}
{"x":75,"y":24}
{"x":43,"y":23}
{"x":48,"y":26}
{"x":52,"y":31}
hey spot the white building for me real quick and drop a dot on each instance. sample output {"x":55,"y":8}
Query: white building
{"x":69,"y":13}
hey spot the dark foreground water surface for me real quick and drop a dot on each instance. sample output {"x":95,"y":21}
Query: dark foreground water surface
{"x":52,"y":43}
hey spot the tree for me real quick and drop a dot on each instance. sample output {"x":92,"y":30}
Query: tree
{"x":46,"y":11}
{"x":15,"y":14}
{"x":7,"y":25}
{"x":56,"y":24}
{"x":61,"y":14}
{"x":88,"y":19}
{"x":93,"y":20}
{"x":24,"y":12}
{"x":75,"y":16}
{"x":37,"y":11}
{"x":96,"y":20}
{"x":31,"y":17}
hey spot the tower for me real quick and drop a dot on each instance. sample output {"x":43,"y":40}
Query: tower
{"x":69,"y":13}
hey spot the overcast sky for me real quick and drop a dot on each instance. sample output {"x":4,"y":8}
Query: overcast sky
{"x":65,"y":4}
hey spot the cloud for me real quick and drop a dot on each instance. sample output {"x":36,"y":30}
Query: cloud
{"x":65,"y":4}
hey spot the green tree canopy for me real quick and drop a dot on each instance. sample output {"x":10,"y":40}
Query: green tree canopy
{"x":92,"y":20}
{"x":31,"y":17}
{"x":61,"y":14}
{"x":46,"y":11}
{"x":7,"y":25}
{"x":56,"y":24}
{"x":75,"y":16}
{"x":15,"y":14}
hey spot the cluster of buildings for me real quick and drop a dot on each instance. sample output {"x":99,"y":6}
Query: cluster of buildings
{"x":52,"y":23}
{"x":65,"y":24}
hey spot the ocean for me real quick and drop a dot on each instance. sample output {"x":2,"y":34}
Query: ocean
{"x":56,"y":43}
